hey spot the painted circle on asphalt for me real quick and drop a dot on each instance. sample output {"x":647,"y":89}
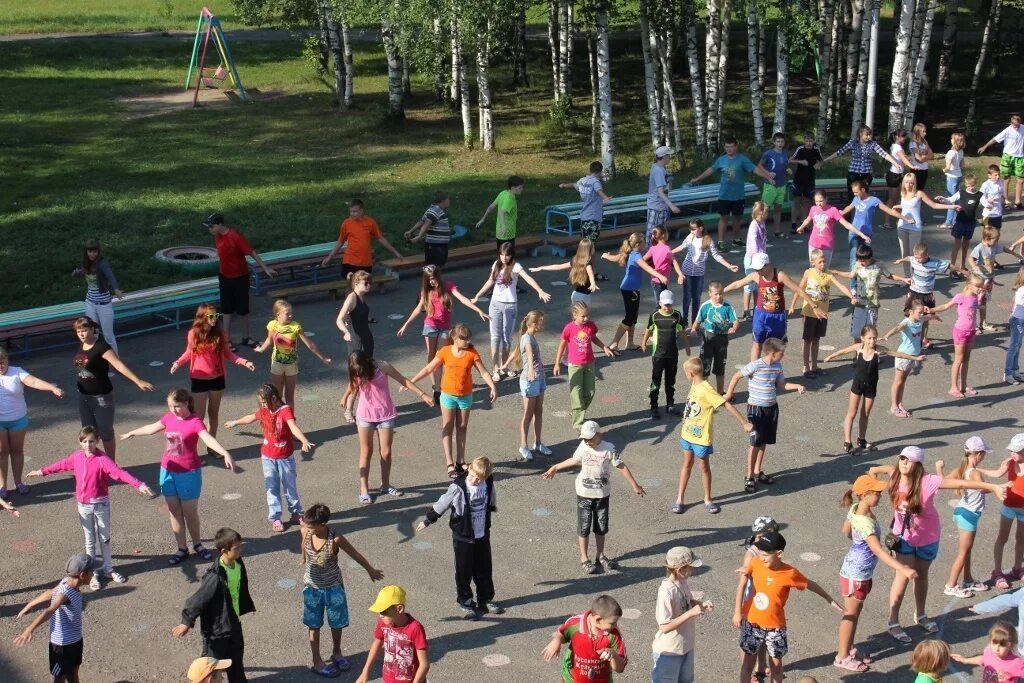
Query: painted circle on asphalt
{"x":631,"y":613}
{"x":286,"y":584}
{"x":810,"y":557}
{"x":560,"y":413}
{"x":494,"y":660}
{"x":309,"y":397}
{"x":395,"y":316}
{"x":155,"y":363}
{"x":801,"y":437}
{"x":23,"y":546}
{"x":608,"y":399}
{"x":541,"y":512}
{"x":423,"y":545}
{"x":559,"y":283}
{"x":231,"y":496}
{"x":827,"y":348}
{"x":651,"y":483}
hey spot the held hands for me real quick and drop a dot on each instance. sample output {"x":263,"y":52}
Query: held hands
{"x":428,"y":399}
{"x":608,"y":351}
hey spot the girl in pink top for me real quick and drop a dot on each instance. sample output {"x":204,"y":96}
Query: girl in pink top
{"x":181,"y":474}
{"x":206,"y":349}
{"x":375,"y":413}
{"x":576,"y":345}
{"x":93,"y":469}
{"x":998,"y":661}
{"x":964,"y":330}
{"x":662,"y":257}
{"x":823,"y":217}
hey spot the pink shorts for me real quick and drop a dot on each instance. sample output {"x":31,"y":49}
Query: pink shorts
{"x":858,"y":590}
{"x":961,"y":336}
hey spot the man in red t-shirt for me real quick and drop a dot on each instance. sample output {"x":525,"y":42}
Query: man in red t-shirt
{"x":233,"y":275}
{"x":359,"y":231}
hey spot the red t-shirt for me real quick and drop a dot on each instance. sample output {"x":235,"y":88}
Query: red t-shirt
{"x":1015,"y":494}
{"x":582,"y":661}
{"x":232,"y":248}
{"x":400,"y":646}
{"x":278,"y":442}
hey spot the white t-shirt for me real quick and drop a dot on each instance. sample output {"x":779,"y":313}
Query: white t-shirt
{"x":478,"y":507}
{"x":894,"y":151}
{"x":919,"y":147}
{"x":505,"y":292}
{"x":595,"y":467}
{"x":991,"y":199}
{"x":1012,"y":140}
{"x":1018,"y":303}
{"x":955,"y":161}
{"x":673,"y":599}
{"x":12,"y":395}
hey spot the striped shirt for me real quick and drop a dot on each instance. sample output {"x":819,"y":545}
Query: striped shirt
{"x":922,"y":275}
{"x":762,"y":382}
{"x":695,"y":261}
{"x":860,"y":161}
{"x":439,"y":231}
{"x":92,"y":291}
{"x":66,"y":622}
{"x":321,"y":565}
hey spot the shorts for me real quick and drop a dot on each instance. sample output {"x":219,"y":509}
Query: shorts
{"x":631,"y":303}
{"x":1012,"y":513}
{"x":429,"y":331}
{"x":750,"y":287}
{"x":201,"y":386}
{"x":862,"y":387}
{"x":730,"y":207}
{"x":15,"y":425}
{"x":452,"y":402}
{"x":713,"y":354}
{"x":861,"y":316}
{"x":98,"y":411}
{"x":995,"y":222}
{"x":910,"y":366}
{"x":286,"y":369}
{"x":435,"y":254}
{"x":697,"y":449}
{"x":893,"y":180}
{"x":773,"y":640}
{"x":858,"y":590}
{"x":383,"y":424}
{"x":234,"y":295}
{"x":673,"y":668}
{"x":348,"y":268}
{"x":814,"y":328}
{"x":927,"y":299}
{"x":591,"y":515}
{"x":962,"y":230}
{"x":766,"y":423}
{"x":924,"y":552}
{"x":531,"y":389}
{"x":768,"y":325}
{"x":316,"y":601}
{"x":181,"y":485}
{"x":966,"y":520}
{"x":772,"y":195}
{"x":1011,"y":166}
{"x":805,"y":191}
{"x":961,"y":336}
{"x":590,"y":230}
{"x":65,"y":658}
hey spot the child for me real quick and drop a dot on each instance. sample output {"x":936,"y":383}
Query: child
{"x":581,"y":272}
{"x":532,"y":383}
{"x":894,"y":176}
{"x":760,"y":527}
{"x":922,"y":282}
{"x":965,"y":220}
{"x":864,"y":387}
{"x":353,"y":319}
{"x":865,"y":277}
{"x":966,"y":514}
{"x":930,"y":660}
{"x":279,"y":433}
{"x":863,"y":208}
{"x":358,"y":231}
{"x":222,"y":598}
{"x":401,"y":637}
{"x":761,"y":617}
{"x":773,"y":194}
{"x":993,"y":198}
{"x":766,"y":379}
{"x":1011,"y":367}
{"x":856,"y":575}
{"x":100,"y":289}
{"x":983,"y":263}
{"x":860,"y":148}
{"x":596,"y":458}
{"x":661,"y":257}
{"x":696,"y":435}
{"x":457,"y":361}
{"x":953,"y":170}
{"x":805,"y":158}
{"x":323,"y":589}
{"x":593,"y":198}
{"x":909,"y":228}
{"x":1011,"y":164}
{"x":93,"y":470}
{"x":757,"y":243}
{"x":207,"y":670}
{"x":631,"y":259}
{"x":506,"y":217}
{"x":716,"y":320}
{"x":823,"y":217}
{"x":998,"y":662}
{"x":675,"y":610}
{"x":911,"y":330}
{"x":1011,"y":510}
{"x":283,"y":333}
{"x":664,"y":328}
{"x":576,"y":344}
{"x":964,"y":332}
{"x":697,"y":245}
{"x":471,"y":499}
{"x":435,"y":230}
{"x":595,"y":645}
{"x":817,"y":282}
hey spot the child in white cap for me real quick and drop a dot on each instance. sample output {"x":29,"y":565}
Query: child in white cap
{"x":664,"y":329}
{"x":675,"y":611}
{"x":1011,"y":510}
{"x":966,"y":514}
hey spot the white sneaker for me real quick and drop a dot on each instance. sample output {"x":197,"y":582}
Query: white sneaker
{"x":525,"y":454}
{"x":541,"y":448}
{"x":496,"y":375}
{"x":118,"y":577}
{"x":95,"y":583}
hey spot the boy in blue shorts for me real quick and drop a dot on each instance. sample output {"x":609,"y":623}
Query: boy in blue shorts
{"x":695,"y":437}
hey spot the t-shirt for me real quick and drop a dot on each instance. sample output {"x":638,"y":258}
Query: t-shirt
{"x":66,"y":621}
{"x":731,"y":185}
{"x":923,"y":529}
{"x":633,"y":278}
{"x":660,"y":255}
{"x":994,"y":669}
{"x":983,"y":255}
{"x":919,"y":148}
{"x":578,"y":339}
{"x":359,"y":232}
{"x":756,"y":238}
{"x":457,"y":377}
{"x":955,"y":161}
{"x":509,"y":205}
{"x":232,"y":248}
{"x":859,"y":563}
{"x":593,"y":206}
{"x":1018,"y":303}
{"x":762,"y":382}
{"x":278,"y":441}
{"x":595,"y":467}
{"x":673,"y":599}
{"x":1012,"y":140}
{"x":400,"y":644}
{"x":93,"y":370}
{"x":181,"y":438}
{"x":922,"y":275}
{"x":658,"y":178}
{"x":910,"y":337}
{"x":927,"y":678}
{"x":966,"y":311}
{"x":582,"y":661}
{"x":12,"y":394}
{"x":528,"y":340}
{"x":775,"y":162}
{"x":665,"y":329}
{"x":478,"y":508}
{"x":766,"y":605}
{"x":234,"y":574}
{"x":505,"y":290}
{"x":804,"y":176}
{"x":438,"y":229}
{"x":437,"y":315}
{"x":992,"y":199}
{"x":864,"y":214}
{"x":696,"y":260}
{"x":868,"y":278}
{"x":699,"y":413}
{"x":1015,"y":494}
{"x":716,"y":319}
{"x":285,"y":338}
{"x":968,"y":203}
{"x":895,"y":149}
{"x":818,"y":285}
{"x":822,"y":222}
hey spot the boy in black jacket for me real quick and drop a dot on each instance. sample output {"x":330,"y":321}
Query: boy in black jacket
{"x":471,"y":499}
{"x":222,"y":598}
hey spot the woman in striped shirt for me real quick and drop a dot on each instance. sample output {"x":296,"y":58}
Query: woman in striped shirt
{"x":698,"y":244}
{"x":860,"y":150}
{"x":100,"y":288}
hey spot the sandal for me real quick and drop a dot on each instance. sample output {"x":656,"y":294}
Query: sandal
{"x":202,"y":551}
{"x":763,"y":478}
{"x":970,"y":391}
{"x":999,"y":581}
{"x":897,"y":632}
{"x":453,"y":471}
{"x":327,"y":671}
{"x":712,"y":508}
{"x":22,"y":489}
{"x":364,"y":499}
{"x":927,"y":624}
{"x":858,"y":655}
{"x":588,"y":567}
{"x":177,"y":558}
{"x":341,"y":663}
{"x":866,"y":445}
{"x":847,"y":447}
{"x":851,"y":663}
{"x":391,"y":491}
{"x":976,"y":586}
{"x":678,"y":508}
{"x":749,"y":486}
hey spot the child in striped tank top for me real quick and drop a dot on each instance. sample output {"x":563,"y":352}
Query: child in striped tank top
{"x":966,"y":514}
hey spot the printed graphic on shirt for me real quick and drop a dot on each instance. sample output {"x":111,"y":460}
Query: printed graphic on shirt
{"x":175,"y":447}
{"x":81,"y":360}
{"x":771,"y":298}
{"x":399,"y":655}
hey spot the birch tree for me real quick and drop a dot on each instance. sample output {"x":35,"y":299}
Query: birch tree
{"x":827,"y":69}
{"x":754,"y":73}
{"x":863,"y":53}
{"x":553,"y":46}
{"x":604,"y":88}
{"x":712,"y":49}
{"x":483,"y":84}
{"x":854,"y":47}
{"x":901,"y":65}
{"x":987,"y":36}
{"x":723,"y":65}
{"x":949,"y":32}
{"x":914,"y":88}
{"x":396,"y":91}
{"x":651,"y":94}
{"x":781,"y":75}
{"x":696,"y":80}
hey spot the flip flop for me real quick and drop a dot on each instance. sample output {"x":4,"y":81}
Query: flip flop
{"x":202,"y":551}
{"x":453,"y":472}
{"x":678,"y":508}
{"x":341,"y":663}
{"x":327,"y":671}
{"x":712,"y":508}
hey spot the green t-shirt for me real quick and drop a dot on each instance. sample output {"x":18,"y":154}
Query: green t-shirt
{"x":508,"y":204}
{"x":234,"y":584}
{"x":926,"y":678}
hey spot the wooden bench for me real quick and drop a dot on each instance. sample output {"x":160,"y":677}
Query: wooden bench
{"x":475,"y":253}
{"x":302,"y":264}
{"x":332,"y":287}
{"x":835,"y":189}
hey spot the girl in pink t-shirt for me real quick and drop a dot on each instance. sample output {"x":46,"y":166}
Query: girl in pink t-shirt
{"x":964,"y":330}
{"x":181,"y":474}
{"x":998,"y":662}
{"x":661,"y":256}
{"x":823,"y":218}
{"x":576,"y":344}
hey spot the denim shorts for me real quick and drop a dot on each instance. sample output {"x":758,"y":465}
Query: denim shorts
{"x":1012,"y":513}
{"x":698,"y":450}
{"x":966,"y":520}
{"x":15,"y":425}
{"x":383,"y":424}
{"x":673,"y":668}
{"x":429,"y":331}
{"x":316,"y":601}
{"x":924,"y":552}
{"x":531,"y":389}
{"x":456,"y":402}
{"x":181,"y":485}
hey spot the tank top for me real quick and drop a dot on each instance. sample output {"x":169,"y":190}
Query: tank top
{"x":321,"y":565}
{"x":866,"y":371}
{"x":360,"y":317}
{"x":375,"y":404}
{"x":910,"y":207}
{"x":771,"y":295}
{"x":585,"y":287}
{"x":972,"y":500}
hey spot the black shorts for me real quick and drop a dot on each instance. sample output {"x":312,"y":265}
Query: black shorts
{"x":631,"y":301}
{"x":730,"y":207}
{"x":893,"y":180}
{"x":805,"y":191}
{"x":963,"y":230}
{"x":591,"y":516}
{"x":435,"y":254}
{"x":65,"y":658}
{"x":347,"y":268}
{"x":995,"y":222}
{"x":766,"y":423}
{"x":863,"y":387}
{"x":921,"y":175}
{"x":814,"y":328}
{"x":927,"y":299}
{"x":200,"y":386}
{"x":234,"y":295}
{"x":713,"y":354}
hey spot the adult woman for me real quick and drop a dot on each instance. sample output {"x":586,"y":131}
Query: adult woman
{"x":14,"y":419}
{"x":894,"y":176}
{"x":354,"y":316}
{"x":920,"y":154}
{"x":100,"y":284}
{"x":909,"y":234}
{"x":95,"y":392}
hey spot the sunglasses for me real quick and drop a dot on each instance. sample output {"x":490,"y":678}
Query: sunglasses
{"x":212,"y":316}
{"x":430,"y":268}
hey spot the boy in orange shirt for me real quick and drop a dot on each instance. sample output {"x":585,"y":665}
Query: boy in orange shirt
{"x":358,"y":230}
{"x":761,"y":618}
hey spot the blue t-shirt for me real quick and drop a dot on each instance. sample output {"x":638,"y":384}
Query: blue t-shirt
{"x":593,"y":207}
{"x":859,"y":563}
{"x":762,"y":382}
{"x":659,"y":178}
{"x":864,"y":215}
{"x":734,"y":172}
{"x":775,"y":162}
{"x":922,"y":275}
{"x":910,"y":337}
{"x":633,"y":280}
{"x":716,"y":319}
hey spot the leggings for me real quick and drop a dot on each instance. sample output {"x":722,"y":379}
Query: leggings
{"x":503,"y":323}
{"x":631,"y":302}
{"x":693,"y":287}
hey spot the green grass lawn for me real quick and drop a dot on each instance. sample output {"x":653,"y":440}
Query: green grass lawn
{"x":52,"y":16}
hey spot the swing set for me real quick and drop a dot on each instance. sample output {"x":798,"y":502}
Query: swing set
{"x":207,"y":28}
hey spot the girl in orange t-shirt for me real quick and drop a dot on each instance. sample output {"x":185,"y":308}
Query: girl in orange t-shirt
{"x":457,"y":362}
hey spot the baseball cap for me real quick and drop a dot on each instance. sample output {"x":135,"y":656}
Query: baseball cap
{"x":666,"y":298}
{"x":761,"y":525}
{"x":681,"y":556}
{"x":976,"y":444}
{"x":389,"y":596}
{"x":589,"y":429}
{"x":866,"y":484}
{"x":79,"y":563}
{"x":213,"y":219}
{"x":1016,"y":443}
{"x":663,"y":151}
{"x":759,"y":260}
{"x":202,"y":667}
{"x":915,"y":454}
{"x":771,"y":542}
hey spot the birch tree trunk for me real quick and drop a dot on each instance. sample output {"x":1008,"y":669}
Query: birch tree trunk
{"x":396,"y":92}
{"x":519,"y":74}
{"x":837,"y":66}
{"x":650,"y":78}
{"x":594,"y":118}
{"x":570,"y":35}
{"x":901,"y":65}
{"x":863,"y":52}
{"x":604,"y":92}
{"x":914,"y":89}
{"x":465,"y":105}
{"x":781,"y":78}
{"x":406,"y":80}
{"x":949,"y":32}
{"x":753,"y":71}
{"x":762,"y":54}
{"x":454,"y":89}
{"x":713,"y":46}
{"x":553,"y":45}
{"x":986,"y":46}
{"x":670,"y":111}
{"x":440,"y":68}
{"x":563,"y":48}
{"x":696,"y":80}
{"x":827,"y":71}
{"x":483,"y":84}
{"x":334,"y":45}
{"x":723,"y":65}
{"x":349,"y":71}
{"x":853,"y":49}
